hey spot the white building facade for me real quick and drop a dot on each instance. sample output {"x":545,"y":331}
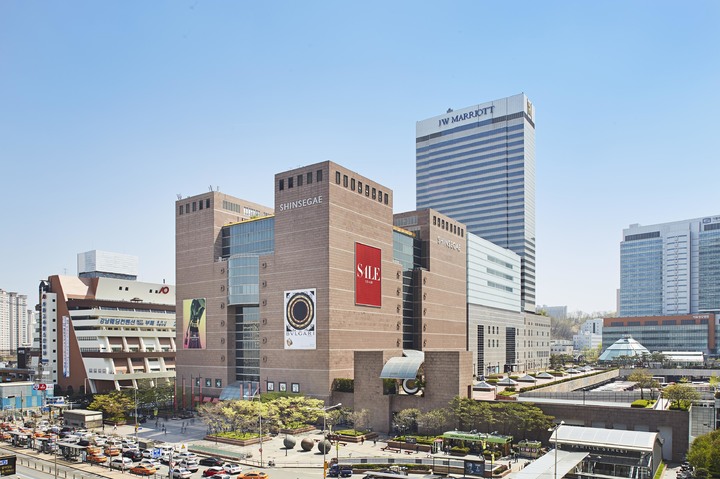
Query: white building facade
{"x":15,"y":322}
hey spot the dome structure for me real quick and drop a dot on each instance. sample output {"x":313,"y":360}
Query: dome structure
{"x":625,"y":346}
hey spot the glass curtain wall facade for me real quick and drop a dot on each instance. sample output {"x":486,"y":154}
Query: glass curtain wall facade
{"x":477,"y":165}
{"x":406,"y":252}
{"x":242,"y":245}
{"x":641,"y":276}
{"x":709,"y":269}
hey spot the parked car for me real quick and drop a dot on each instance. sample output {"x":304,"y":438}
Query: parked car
{"x":133,"y":454}
{"x":213,"y":470}
{"x":181,"y":473}
{"x":211,"y":461}
{"x":151,"y":462}
{"x":185,"y":455}
{"x":189,"y":464}
{"x":342,"y":470}
{"x":97,"y":458}
{"x":121,"y":463}
{"x":232,"y":468}
{"x":143,"y":470}
{"x":112,"y":451}
{"x":253,"y":475}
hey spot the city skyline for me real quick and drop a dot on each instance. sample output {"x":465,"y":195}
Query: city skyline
{"x":111,"y":110}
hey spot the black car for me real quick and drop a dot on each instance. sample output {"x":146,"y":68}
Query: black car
{"x":133,"y":454}
{"x":211,"y":461}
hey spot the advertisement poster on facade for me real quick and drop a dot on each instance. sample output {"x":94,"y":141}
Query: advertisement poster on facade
{"x":66,"y":346}
{"x":195,"y":323}
{"x":300,"y":327}
{"x":368,"y":275}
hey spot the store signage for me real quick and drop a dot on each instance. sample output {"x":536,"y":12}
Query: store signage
{"x":488,"y":110}
{"x":40,"y":387}
{"x":300,"y":326}
{"x":368,"y":275}
{"x":448,"y":243}
{"x":289,"y":205}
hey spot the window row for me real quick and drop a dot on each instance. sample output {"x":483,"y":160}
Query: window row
{"x":370,"y":192}
{"x":195,"y":206}
{"x":447,"y":226}
{"x":282,"y":387}
{"x":307,"y":178}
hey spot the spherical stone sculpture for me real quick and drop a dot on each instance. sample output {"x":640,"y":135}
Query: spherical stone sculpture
{"x":307,"y":444}
{"x":289,"y":442}
{"x":324,"y":446}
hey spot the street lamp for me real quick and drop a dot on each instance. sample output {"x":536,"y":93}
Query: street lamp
{"x":257,"y":394}
{"x":325,"y":410}
{"x":136,"y":409}
{"x":554,"y":430}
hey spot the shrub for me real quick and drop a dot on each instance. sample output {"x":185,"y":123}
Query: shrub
{"x":639,"y":403}
{"x":459,"y":450}
{"x":514,"y":377}
{"x":492,"y":380}
{"x":345,"y":385}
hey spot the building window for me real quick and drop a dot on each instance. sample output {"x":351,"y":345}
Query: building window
{"x":386,"y":198}
{"x":352,"y":184}
{"x":318,"y":176}
{"x":207,"y":203}
{"x":345,"y":181}
{"x":218,"y":383}
{"x":309,"y":178}
{"x":380,"y":196}
{"x":295,"y":387}
{"x":300,"y":178}
{"x":367,"y":190}
{"x":281,"y":185}
{"x":187,"y":208}
{"x":434,"y":220}
{"x":270,"y":386}
{"x":197,"y":382}
{"x":208,"y":382}
{"x":360,"y":188}
{"x":200,"y":204}
{"x":282,"y":387}
{"x":337,"y":177}
{"x":194,"y":203}
{"x":290,"y":182}
{"x":181,"y":209}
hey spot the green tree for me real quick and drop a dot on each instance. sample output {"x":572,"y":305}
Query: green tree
{"x":436,"y":421}
{"x":681,"y":395}
{"x":360,"y":420}
{"x":407,"y":419}
{"x":114,"y":405}
{"x":644,"y":380}
{"x":704,"y":452}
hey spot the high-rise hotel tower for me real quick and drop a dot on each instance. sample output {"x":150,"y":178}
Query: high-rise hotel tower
{"x":477,"y":165}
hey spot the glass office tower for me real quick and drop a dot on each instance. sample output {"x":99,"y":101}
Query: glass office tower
{"x":477,"y":165}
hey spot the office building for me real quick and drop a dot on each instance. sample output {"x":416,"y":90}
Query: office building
{"x":15,"y":323}
{"x":282,"y":298}
{"x":477,"y":166}
{"x":589,"y":336}
{"x":555,"y":312}
{"x":106,"y":264}
{"x":100,"y":333}
{"x":692,"y":332}
{"x":670,"y":268}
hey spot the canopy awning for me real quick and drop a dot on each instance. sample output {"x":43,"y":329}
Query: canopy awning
{"x":405,"y":367}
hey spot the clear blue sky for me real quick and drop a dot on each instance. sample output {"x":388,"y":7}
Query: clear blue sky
{"x":109,"y":109}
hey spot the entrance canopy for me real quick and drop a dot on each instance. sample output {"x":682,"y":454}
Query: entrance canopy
{"x":544,"y":467}
{"x":405,"y":367}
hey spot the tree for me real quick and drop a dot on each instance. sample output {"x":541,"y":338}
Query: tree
{"x":360,"y":419}
{"x":407,"y":419}
{"x":644,"y":380}
{"x":681,"y":395}
{"x":704,"y":452}
{"x":436,"y":421}
{"x":114,"y":405}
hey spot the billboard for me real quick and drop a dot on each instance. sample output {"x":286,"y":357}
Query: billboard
{"x":7,"y":465}
{"x":195,"y":320}
{"x":300,"y":327}
{"x":368,"y":275}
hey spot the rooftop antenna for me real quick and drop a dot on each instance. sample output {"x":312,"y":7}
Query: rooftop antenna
{"x":449,"y":110}
{"x":210,"y":187}
{"x":217,"y":188}
{"x":179,"y":196}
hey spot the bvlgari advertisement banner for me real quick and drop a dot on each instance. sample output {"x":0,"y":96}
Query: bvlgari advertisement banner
{"x":195,"y":323}
{"x":368,"y":275}
{"x":300,"y":327}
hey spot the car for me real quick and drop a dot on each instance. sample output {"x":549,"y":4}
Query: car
{"x":151,"y":462}
{"x":133,"y":454}
{"x":181,"y":473}
{"x":211,"y":461}
{"x":213,"y":470}
{"x":112,"y":451}
{"x":253,"y":475}
{"x":222,"y":476}
{"x":342,"y":470}
{"x":232,"y":468}
{"x":189,"y":464}
{"x":121,"y":463}
{"x":143,"y":470}
{"x":185,"y":455}
{"x":97,"y":458}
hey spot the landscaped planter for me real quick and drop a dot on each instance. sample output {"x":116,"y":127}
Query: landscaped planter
{"x":237,"y":442}
{"x":298,"y":430}
{"x":343,"y":438}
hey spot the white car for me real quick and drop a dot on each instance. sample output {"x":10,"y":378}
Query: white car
{"x":185,"y":455}
{"x":232,"y":468}
{"x":147,"y":453}
{"x":151,"y":462}
{"x":121,"y":463}
{"x":181,"y":473}
{"x":189,"y":464}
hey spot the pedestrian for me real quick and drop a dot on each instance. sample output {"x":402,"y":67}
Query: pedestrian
{"x":362,"y":440}
{"x":166,"y":432}
{"x":374,"y":441}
